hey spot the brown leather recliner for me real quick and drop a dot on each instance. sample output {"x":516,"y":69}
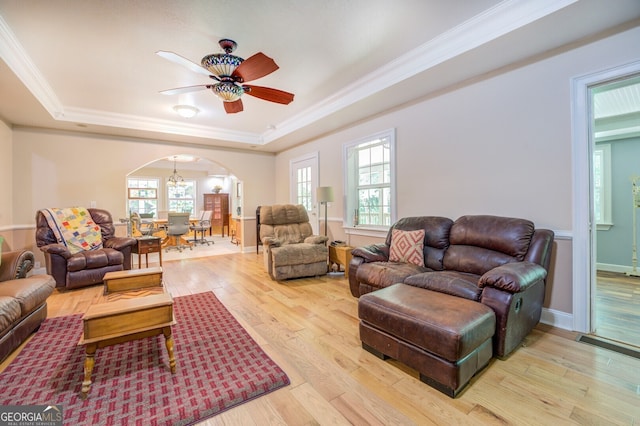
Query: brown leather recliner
{"x":87,"y":267}
{"x":23,"y":300}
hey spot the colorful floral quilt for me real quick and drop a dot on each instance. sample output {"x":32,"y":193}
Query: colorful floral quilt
{"x":74,"y":228}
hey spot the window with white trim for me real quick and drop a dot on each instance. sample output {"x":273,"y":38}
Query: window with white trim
{"x":303,"y":188}
{"x":602,"y":186}
{"x":370,"y":181}
{"x":142,"y":195}
{"x":182,"y":197}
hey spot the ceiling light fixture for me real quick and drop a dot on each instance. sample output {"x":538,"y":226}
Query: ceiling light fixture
{"x":186,"y":111}
{"x":175,"y":178}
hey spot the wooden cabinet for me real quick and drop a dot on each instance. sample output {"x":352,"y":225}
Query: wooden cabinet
{"x":219,"y":205}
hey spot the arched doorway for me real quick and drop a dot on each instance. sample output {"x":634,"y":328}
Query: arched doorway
{"x":179,"y":182}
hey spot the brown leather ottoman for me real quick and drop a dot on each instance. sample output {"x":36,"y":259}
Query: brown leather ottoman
{"x":446,"y":338}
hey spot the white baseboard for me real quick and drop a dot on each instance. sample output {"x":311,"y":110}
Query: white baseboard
{"x":557,"y":319}
{"x":609,"y":267}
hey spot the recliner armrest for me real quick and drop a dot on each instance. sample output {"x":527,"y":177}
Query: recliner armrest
{"x":271,"y":242}
{"x":316,"y":239}
{"x":15,"y":264}
{"x":119,"y":243}
{"x":513,"y":277}
{"x":58,"y":249}
{"x":372,"y":253}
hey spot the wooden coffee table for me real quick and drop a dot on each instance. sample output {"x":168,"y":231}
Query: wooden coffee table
{"x":124,"y":316}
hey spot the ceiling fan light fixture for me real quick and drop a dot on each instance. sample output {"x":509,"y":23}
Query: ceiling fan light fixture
{"x":230,"y":73}
{"x":221,"y":64}
{"x":228,"y":92}
{"x":186,"y":111}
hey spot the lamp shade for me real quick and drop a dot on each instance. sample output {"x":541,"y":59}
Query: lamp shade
{"x":324,"y":194}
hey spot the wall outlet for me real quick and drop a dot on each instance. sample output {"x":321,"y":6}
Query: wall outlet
{"x":93,"y":204}
{"x":36,"y":265}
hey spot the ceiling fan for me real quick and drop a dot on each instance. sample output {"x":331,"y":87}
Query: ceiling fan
{"x":230,"y":72}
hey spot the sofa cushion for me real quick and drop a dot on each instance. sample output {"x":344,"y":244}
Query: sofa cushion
{"x":299,"y":254}
{"x":384,"y":274}
{"x":293,"y":233}
{"x":28,"y":292}
{"x":449,"y":282}
{"x":481,"y":243}
{"x":9,"y":312}
{"x":407,"y":246}
{"x":281,"y":214}
{"x":94,"y":259}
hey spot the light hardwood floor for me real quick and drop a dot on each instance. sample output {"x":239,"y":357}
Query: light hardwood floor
{"x":617,"y":309}
{"x":310,"y":328}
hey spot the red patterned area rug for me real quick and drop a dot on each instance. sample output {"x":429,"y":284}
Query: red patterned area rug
{"x":219,"y":366}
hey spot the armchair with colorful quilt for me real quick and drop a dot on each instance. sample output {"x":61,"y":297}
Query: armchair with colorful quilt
{"x":80,"y":245}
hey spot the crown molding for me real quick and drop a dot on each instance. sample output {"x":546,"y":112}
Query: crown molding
{"x":12,"y":52}
{"x":494,"y":22}
{"x":127,"y":121}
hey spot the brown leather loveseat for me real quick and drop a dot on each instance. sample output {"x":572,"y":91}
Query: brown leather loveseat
{"x":23,"y":300}
{"x":87,"y":267}
{"x":444,"y":297}
{"x":497,"y":261}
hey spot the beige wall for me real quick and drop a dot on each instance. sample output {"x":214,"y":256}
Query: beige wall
{"x":58,"y":169}
{"x":6,"y":181}
{"x":6,"y":186}
{"x":501,"y":145}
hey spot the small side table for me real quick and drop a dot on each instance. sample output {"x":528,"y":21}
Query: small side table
{"x":340,"y":255}
{"x":147,"y":245}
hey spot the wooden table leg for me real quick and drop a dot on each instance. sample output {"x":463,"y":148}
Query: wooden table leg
{"x":168,"y":340}
{"x":89,"y":362}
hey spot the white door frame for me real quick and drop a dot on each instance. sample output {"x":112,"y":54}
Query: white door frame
{"x":312,"y":159}
{"x":582,"y":144}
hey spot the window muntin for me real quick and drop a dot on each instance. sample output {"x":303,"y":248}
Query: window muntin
{"x":182,"y":197}
{"x":303,"y":182}
{"x":369,"y":183}
{"x":142,"y":195}
{"x":602,"y":185}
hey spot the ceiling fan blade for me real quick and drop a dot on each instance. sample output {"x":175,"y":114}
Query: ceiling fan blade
{"x":186,"y":89}
{"x":254,"y":67}
{"x":174,"y":57}
{"x":233,"y":107}
{"x":269,"y":94}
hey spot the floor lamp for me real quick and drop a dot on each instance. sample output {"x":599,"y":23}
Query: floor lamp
{"x":324,"y":195}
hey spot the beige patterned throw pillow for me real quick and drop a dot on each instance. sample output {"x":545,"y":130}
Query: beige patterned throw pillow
{"x":407,"y":246}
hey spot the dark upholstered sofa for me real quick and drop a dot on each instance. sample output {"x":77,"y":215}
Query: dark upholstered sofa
{"x":87,"y":267}
{"x":496,"y":261}
{"x":23,"y":300}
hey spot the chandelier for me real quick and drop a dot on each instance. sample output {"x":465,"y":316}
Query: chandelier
{"x":175,"y":178}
